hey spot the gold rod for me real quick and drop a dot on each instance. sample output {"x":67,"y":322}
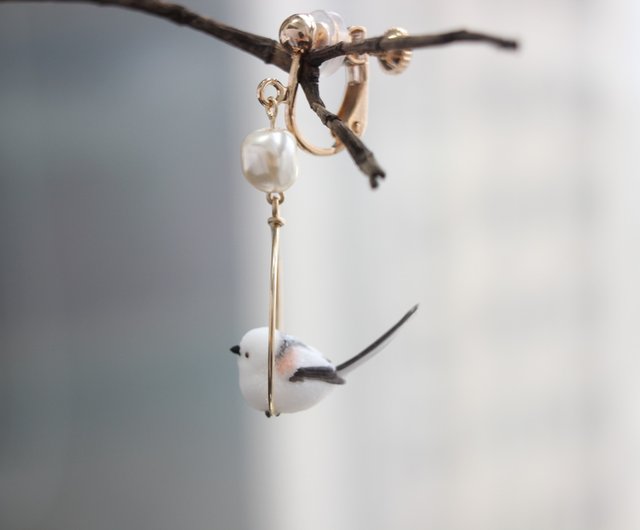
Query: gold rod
{"x":279,"y":295}
{"x":275,"y":222}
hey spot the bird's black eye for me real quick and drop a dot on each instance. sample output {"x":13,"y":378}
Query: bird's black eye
{"x":246,"y":355}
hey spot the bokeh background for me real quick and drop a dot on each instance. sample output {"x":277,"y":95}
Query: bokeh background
{"x":133,"y":255}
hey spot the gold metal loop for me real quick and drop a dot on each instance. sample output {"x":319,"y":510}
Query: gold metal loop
{"x":355,"y":104}
{"x":275,"y":222}
{"x":270,"y":103}
{"x":275,"y":196}
{"x":281,"y":91}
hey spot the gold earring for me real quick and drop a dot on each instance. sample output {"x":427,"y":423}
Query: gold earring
{"x":301,"y":33}
{"x":268,"y":155}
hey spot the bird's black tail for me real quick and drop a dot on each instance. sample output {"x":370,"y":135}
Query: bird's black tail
{"x":376,"y":346}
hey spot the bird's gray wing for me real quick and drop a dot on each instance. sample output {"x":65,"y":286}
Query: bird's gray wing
{"x":327,"y":374}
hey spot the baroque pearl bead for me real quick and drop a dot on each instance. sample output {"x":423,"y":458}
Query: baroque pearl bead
{"x":269,"y":159}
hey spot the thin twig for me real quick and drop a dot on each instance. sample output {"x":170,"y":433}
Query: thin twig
{"x":361,"y":155}
{"x":377,"y":45}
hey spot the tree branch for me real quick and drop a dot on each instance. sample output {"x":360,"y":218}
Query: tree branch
{"x":271,"y":52}
{"x":267,"y":50}
{"x":308,"y":78}
{"x":378,"y":45}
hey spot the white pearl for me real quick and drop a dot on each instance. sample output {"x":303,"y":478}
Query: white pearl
{"x":269,"y":159}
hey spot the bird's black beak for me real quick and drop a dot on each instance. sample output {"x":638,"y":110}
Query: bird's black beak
{"x":236,"y":350}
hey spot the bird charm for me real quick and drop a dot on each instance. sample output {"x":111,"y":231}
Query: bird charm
{"x":302,"y":375}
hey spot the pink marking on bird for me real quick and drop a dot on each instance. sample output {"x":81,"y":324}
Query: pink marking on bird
{"x":286,"y":364}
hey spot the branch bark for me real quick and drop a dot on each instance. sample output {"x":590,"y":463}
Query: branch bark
{"x":378,"y":45}
{"x":271,"y":52}
{"x":309,"y":81}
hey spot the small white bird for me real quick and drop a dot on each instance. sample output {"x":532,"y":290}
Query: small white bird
{"x":302,"y":376}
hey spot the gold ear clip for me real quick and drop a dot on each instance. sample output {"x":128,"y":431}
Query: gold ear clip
{"x":303,"y":32}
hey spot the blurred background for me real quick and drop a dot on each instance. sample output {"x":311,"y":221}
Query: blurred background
{"x":133,"y":255}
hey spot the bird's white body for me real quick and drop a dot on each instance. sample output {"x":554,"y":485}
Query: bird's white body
{"x":302,"y":376}
{"x":288,"y":396}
